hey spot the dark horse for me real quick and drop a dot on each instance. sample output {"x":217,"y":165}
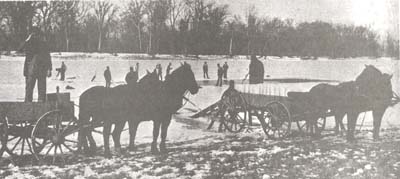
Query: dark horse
{"x":151,"y":99}
{"x":371,"y":91}
{"x":106,"y":106}
{"x":159,"y":103}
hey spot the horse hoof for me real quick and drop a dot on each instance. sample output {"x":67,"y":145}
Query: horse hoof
{"x":154,"y":151}
{"x":118,"y":150}
{"x":163,"y":150}
{"x":107,"y":155}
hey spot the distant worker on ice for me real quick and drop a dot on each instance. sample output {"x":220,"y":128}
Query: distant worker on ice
{"x":205,"y":71}
{"x":107,"y":77}
{"x":37,"y":64}
{"x":256,"y":70}
{"x":61,"y":71}
{"x":133,"y":75}
{"x":159,"y":71}
{"x":220,"y":73}
{"x":225,"y":67}
{"x":169,"y":68}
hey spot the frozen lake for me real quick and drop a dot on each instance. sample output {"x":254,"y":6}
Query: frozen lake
{"x":81,"y":68}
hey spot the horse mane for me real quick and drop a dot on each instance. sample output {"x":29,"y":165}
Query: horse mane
{"x":178,"y":71}
{"x":172,"y":79}
{"x":369,"y":73}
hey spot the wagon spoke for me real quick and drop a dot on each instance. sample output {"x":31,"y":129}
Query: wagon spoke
{"x":16,"y":144}
{"x":29,"y":145}
{"x":68,"y":125}
{"x":69,"y":148}
{"x":23,"y":145}
{"x":12,"y":139}
{"x":40,"y":147}
{"x":62,"y":153}
{"x":49,"y":149}
{"x":55,"y":154}
{"x":69,"y":140}
{"x":97,"y":131}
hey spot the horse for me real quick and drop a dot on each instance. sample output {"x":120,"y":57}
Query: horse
{"x":99,"y":105}
{"x":159,"y":103}
{"x":374,"y":93}
{"x":327,"y":97}
{"x":372,"y":90}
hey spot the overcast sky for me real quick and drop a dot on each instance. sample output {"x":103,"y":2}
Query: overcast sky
{"x":380,"y":15}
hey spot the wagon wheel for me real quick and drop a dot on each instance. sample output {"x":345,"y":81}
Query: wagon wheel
{"x":234,"y":113}
{"x":305,"y":126}
{"x":18,"y":138}
{"x":275,"y":120}
{"x":51,"y":136}
{"x":3,"y":136}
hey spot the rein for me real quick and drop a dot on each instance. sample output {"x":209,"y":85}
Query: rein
{"x":188,"y":100}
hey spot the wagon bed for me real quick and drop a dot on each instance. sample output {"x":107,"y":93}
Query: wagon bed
{"x":40,"y":128}
{"x":274,"y":113}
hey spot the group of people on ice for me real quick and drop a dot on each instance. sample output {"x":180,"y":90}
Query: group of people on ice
{"x":38,"y":66}
{"x":133,"y":75}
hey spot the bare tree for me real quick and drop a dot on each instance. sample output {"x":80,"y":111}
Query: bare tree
{"x":176,"y":8}
{"x":70,"y":13}
{"x":46,"y":15}
{"x":157,"y":12}
{"x":104,"y":12}
{"x":136,"y":12}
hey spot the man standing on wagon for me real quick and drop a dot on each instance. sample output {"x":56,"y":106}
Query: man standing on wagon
{"x":256,"y":70}
{"x":37,"y":64}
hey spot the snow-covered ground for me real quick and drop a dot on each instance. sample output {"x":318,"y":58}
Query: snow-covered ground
{"x":81,"y":67}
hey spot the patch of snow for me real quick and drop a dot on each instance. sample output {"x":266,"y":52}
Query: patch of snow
{"x":358,"y":172}
{"x":190,"y":166}
{"x":336,"y":154}
{"x":88,"y":172}
{"x":18,"y":175}
{"x":49,"y":173}
{"x":266,"y":176}
{"x":215,"y":153}
{"x":277,"y":149}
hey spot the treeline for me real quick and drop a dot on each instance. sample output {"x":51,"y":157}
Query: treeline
{"x":190,"y":27}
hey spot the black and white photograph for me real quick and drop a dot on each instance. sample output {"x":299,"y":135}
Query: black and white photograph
{"x":199,"y":89}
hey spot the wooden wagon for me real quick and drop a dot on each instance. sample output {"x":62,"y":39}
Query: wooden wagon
{"x":275,"y":114}
{"x":44,"y":129}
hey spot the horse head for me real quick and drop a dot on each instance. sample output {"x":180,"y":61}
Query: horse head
{"x":374,"y":84}
{"x":184,"y":77}
{"x":149,"y":79}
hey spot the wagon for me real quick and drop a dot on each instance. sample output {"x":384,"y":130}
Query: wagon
{"x":45,"y":129}
{"x":274,"y":113}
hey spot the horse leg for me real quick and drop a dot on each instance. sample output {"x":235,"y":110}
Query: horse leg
{"x":164,"y":131}
{"x":117,"y":135}
{"x":82,"y":142}
{"x":106,"y":135}
{"x":339,"y":122}
{"x":351,"y":125}
{"x":377,"y":114}
{"x":133,"y":125}
{"x":90,"y":138}
{"x":156,"y":131}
